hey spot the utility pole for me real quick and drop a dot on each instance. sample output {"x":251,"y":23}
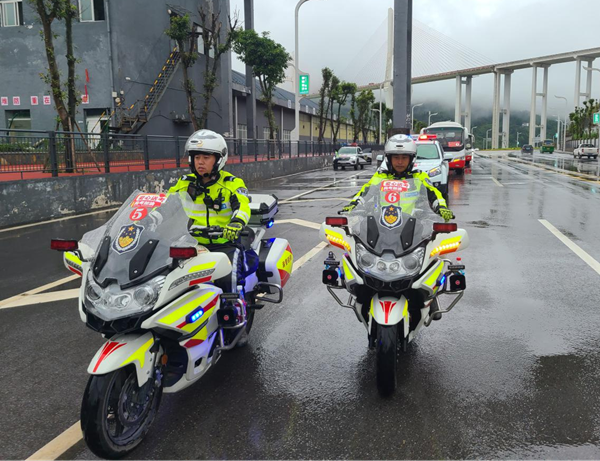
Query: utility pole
{"x":402,"y":65}
{"x":251,"y":98}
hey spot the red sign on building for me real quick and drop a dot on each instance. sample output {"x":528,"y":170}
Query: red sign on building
{"x":47,"y":100}
{"x":4,"y":101}
{"x":35,"y":100}
{"x":85,"y":99}
{"x":16,"y":101}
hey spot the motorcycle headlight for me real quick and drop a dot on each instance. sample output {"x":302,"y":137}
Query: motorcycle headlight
{"x":364,"y":258}
{"x":113,"y":303}
{"x":435,"y":171}
{"x":387,"y":268}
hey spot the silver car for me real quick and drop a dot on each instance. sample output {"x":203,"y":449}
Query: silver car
{"x":350,"y":157}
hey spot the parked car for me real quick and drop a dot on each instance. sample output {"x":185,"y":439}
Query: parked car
{"x":527,"y":149}
{"x":547,"y":146}
{"x":350,"y":157}
{"x":585,"y":150}
{"x":368,"y":155}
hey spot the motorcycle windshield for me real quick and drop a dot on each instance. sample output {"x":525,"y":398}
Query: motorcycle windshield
{"x":134,"y":244}
{"x":393,"y":215}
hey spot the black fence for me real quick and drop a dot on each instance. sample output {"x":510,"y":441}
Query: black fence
{"x":47,"y":153}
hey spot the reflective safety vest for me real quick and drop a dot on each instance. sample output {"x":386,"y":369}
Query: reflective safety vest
{"x":216,"y":203}
{"x":436,"y":199}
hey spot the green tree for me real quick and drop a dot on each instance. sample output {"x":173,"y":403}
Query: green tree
{"x":324,"y":91}
{"x":212,"y":36}
{"x":340,"y":95}
{"x":364,"y":102}
{"x":47,"y":11}
{"x":180,"y":30}
{"x":268,"y":60}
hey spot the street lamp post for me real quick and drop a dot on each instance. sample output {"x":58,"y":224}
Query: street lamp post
{"x":412,"y":116}
{"x":564,"y":138}
{"x":296,"y":131}
{"x":473,"y":133}
{"x":486,"y":138}
{"x":518,"y":133}
{"x":430,"y":115}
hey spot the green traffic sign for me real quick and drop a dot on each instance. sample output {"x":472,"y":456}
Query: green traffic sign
{"x":304,"y":84}
{"x":597,"y":118}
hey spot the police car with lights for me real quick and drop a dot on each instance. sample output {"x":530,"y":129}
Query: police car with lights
{"x":430,"y":159}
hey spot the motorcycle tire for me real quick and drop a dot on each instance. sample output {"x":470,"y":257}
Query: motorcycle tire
{"x":104,"y":405}
{"x":460,"y":172}
{"x":387,"y":357}
{"x":355,"y":167}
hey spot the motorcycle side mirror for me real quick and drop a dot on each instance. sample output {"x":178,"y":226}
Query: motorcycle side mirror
{"x":64,"y":245}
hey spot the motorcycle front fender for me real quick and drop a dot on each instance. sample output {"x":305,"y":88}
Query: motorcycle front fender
{"x":123,"y":350}
{"x":389,"y":310}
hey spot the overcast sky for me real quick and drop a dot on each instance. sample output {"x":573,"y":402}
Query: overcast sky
{"x":346,"y":35}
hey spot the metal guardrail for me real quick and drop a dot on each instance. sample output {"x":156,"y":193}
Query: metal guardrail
{"x":29,"y":154}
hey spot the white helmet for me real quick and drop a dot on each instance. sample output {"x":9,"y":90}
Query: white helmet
{"x":207,"y":142}
{"x":400,"y":144}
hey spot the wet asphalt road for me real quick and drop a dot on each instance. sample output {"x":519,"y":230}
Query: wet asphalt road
{"x":511,"y":372}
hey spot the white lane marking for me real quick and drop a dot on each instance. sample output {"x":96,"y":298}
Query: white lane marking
{"x":107,"y":210}
{"x":338,"y":199}
{"x":300,"y":222}
{"x":42,"y":298}
{"x":497,"y":182}
{"x":572,"y":246}
{"x":323,"y":187}
{"x":71,"y":436}
{"x":60,"y":444}
{"x":304,"y":259}
{"x":38,"y":290}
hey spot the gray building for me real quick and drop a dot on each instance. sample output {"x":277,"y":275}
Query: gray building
{"x":129,"y":75}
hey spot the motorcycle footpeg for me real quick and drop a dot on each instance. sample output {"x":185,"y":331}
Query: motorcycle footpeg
{"x":255,"y":306}
{"x":227,"y":317}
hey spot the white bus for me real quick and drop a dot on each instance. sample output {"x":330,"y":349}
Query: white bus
{"x":456,"y":142}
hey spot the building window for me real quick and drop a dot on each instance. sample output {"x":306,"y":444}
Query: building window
{"x":17,"y":120}
{"x":266,"y":133}
{"x":287,"y":135}
{"x":242,"y":131}
{"x":211,"y":51}
{"x":11,"y":13}
{"x":91,"y":10}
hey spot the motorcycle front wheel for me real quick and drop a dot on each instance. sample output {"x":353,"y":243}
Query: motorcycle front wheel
{"x":387,"y":355}
{"x":116,"y":414}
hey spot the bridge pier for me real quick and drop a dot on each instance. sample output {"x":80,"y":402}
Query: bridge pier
{"x":506,"y":111}
{"x":458,"y":107}
{"x":496,"y":110}
{"x":588,"y":87}
{"x":533,"y":108}
{"x":544,"y":95}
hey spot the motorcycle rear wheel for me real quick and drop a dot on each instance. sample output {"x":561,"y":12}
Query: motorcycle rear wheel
{"x":387,"y":357}
{"x":116,"y":414}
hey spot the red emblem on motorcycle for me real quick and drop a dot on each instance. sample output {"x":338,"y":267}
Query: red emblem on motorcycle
{"x":387,"y":307}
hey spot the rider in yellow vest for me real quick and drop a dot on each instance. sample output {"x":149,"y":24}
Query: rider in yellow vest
{"x":213,"y":197}
{"x":400,"y":153}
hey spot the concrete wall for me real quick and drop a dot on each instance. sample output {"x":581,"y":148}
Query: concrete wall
{"x":24,"y":202}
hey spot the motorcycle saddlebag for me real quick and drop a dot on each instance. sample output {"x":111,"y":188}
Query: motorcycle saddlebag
{"x":275,"y":262}
{"x":263,"y":208}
